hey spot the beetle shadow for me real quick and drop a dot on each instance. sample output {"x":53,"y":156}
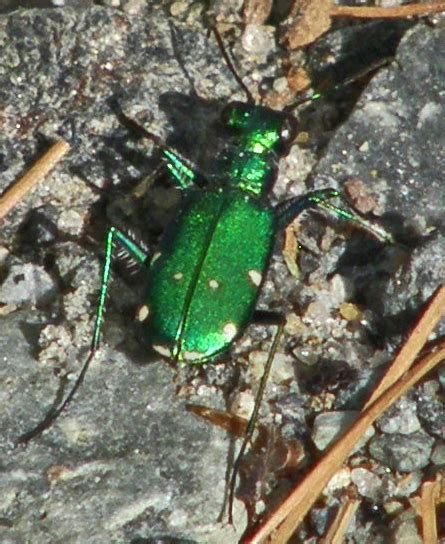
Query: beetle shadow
{"x":369,"y":267}
{"x":197,"y":131}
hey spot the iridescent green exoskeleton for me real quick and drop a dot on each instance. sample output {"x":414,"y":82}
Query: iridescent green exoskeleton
{"x":204,"y":281}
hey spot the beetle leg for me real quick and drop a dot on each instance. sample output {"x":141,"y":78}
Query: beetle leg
{"x":180,"y":169}
{"x":183,"y":174}
{"x":267,"y":318}
{"x":349,"y":215}
{"x":114,"y":237}
{"x":290,"y":209}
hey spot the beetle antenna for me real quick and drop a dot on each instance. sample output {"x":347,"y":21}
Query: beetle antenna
{"x":230,"y":64}
{"x":326,"y":88}
{"x":175,"y":39}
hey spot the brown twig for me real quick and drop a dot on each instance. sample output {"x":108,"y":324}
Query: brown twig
{"x":345,"y":513}
{"x":428,"y":505}
{"x":410,"y":10}
{"x":33,"y":177}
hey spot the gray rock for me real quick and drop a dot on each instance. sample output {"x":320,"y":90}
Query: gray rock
{"x":368,"y":484}
{"x":431,"y":409}
{"x":406,"y":532}
{"x":329,"y":426}
{"x":401,"y":418}
{"x":404,"y":453}
{"x":407,"y":485}
{"x":438,"y":455}
{"x":402,"y":120}
{"x":126,"y":460}
{"x":27,"y":284}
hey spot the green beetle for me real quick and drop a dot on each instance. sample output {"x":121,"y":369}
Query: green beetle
{"x":204,"y":282}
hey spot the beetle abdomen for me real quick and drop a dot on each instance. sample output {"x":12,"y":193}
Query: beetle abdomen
{"x":204,"y":283}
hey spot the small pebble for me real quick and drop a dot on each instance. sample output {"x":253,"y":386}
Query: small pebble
{"x":258,"y":39}
{"x":282,"y":369}
{"x":134,"y":7}
{"x":368,"y":484}
{"x":329,"y":426}
{"x":406,"y":533}
{"x":27,"y":283}
{"x":242,"y":404}
{"x":407,"y":484}
{"x":178,"y":8}
{"x":405,"y":453}
{"x":401,"y":418}
{"x":438,"y":455}
{"x":71,"y":222}
{"x":340,"y":480}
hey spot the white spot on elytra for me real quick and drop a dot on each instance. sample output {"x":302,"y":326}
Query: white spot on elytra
{"x":163,"y":350}
{"x":178,"y":276}
{"x":155,"y":257}
{"x":143,"y":313}
{"x":192,"y":355}
{"x":255,"y":277}
{"x":230,"y":331}
{"x":213,"y":284}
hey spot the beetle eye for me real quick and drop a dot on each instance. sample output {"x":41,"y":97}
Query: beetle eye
{"x":236,"y":115}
